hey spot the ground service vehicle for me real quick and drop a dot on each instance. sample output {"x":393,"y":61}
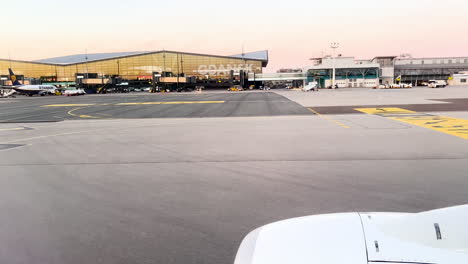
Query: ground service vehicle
{"x":437,"y":84}
{"x":312,"y":86}
{"x":74,"y":92}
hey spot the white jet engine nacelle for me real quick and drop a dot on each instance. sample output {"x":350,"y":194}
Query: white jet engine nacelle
{"x":432,"y":237}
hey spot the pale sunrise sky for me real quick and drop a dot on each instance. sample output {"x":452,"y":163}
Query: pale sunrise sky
{"x":292,"y":30}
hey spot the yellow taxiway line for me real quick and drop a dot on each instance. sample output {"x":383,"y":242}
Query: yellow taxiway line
{"x":66,"y":105}
{"x":80,"y":116}
{"x":327,"y":118}
{"x":164,"y":103}
{"x":11,"y":129}
{"x":136,"y":103}
{"x":448,"y":125}
{"x":80,"y":106}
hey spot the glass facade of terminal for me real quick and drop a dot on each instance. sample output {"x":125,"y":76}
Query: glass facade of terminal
{"x":347,"y":77}
{"x":137,"y":66}
{"x":350,"y":73}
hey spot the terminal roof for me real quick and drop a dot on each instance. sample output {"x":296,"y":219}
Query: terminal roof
{"x":82,"y":58}
{"x":259,"y":55}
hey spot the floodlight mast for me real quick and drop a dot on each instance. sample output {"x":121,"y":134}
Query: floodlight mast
{"x":334,"y":46}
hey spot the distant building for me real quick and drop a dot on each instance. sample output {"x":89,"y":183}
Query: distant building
{"x":385,"y":69}
{"x":349,"y":72}
{"x":417,"y":70}
{"x":459,"y":79}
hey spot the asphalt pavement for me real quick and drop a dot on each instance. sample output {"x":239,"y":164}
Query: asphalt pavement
{"x":145,"y":105}
{"x":183,"y":189}
{"x":448,"y":105}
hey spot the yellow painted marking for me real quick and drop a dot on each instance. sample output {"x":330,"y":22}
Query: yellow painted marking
{"x":80,"y":116}
{"x":10,"y":129}
{"x":384,"y":111}
{"x":448,"y":125}
{"x":163,"y":103}
{"x":87,"y":116}
{"x":73,"y":110}
{"x":327,"y":118}
{"x":66,"y":105}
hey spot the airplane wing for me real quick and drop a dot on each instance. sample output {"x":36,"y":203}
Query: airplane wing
{"x":436,"y":237}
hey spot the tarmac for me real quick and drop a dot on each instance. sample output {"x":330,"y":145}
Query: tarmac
{"x":141,"y":178}
{"x":145,"y":105}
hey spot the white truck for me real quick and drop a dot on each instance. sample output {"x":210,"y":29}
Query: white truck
{"x":437,"y":84}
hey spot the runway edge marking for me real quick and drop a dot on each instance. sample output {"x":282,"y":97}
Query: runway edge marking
{"x":452,"y":126}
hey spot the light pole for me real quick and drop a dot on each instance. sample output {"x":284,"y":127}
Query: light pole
{"x":178,"y":73}
{"x":164,"y":62}
{"x":334,"y":46}
{"x":118,"y":68}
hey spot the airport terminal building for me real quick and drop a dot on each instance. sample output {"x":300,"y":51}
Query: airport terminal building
{"x":134,"y":65}
{"x":416,"y":70}
{"x":351,"y":72}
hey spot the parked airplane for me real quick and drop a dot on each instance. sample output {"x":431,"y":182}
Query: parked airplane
{"x":28,"y":89}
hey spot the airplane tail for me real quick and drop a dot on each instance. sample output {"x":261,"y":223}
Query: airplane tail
{"x":13,"y":79}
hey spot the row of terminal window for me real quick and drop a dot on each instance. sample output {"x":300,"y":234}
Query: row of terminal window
{"x":443,"y":61}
